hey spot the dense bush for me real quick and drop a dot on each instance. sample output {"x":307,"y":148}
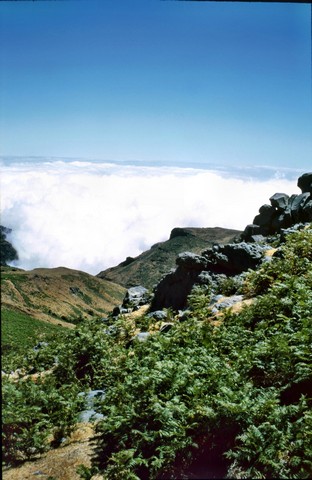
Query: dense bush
{"x":36,"y":414}
{"x":231,"y":396}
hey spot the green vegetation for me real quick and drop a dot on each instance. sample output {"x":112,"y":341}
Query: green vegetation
{"x":235,"y":393}
{"x":19,"y":332}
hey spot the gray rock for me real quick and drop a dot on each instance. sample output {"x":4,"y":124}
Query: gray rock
{"x":191,"y":261}
{"x":283,"y":212}
{"x":204,"y":278}
{"x":135,"y":297}
{"x":235,"y":258}
{"x":307,"y":211}
{"x":257,"y":239}
{"x":166,"y":327}
{"x":90,"y":414}
{"x":297,"y":204}
{"x":227,"y":302}
{"x":282,"y":219}
{"x":232,"y":259}
{"x":120,"y":310}
{"x":305,"y":182}
{"x":158,"y":315}
{"x":173,"y":289}
{"x":279,"y":201}
{"x":293,"y":229}
{"x":112,"y":330}
{"x":251,"y":230}
{"x":266,"y":214}
{"x":142,"y":336}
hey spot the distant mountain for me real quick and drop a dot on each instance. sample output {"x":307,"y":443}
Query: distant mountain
{"x":58,"y":295}
{"x":148,"y":268}
{"x":7,"y":251}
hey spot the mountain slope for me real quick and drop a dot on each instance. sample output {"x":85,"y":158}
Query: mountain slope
{"x":148,"y":268}
{"x":58,"y":295}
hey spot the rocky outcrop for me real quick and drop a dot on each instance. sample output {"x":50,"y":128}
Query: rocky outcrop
{"x":232,"y":259}
{"x":283,"y":211}
{"x":305,"y":182}
{"x":149,"y":267}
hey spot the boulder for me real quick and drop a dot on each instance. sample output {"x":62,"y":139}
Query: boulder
{"x":135,"y":297}
{"x":158,"y":315}
{"x":166,"y":327}
{"x":297,"y":205}
{"x":282,"y":219}
{"x":264,"y":218}
{"x":234,"y":258}
{"x":139,"y":337}
{"x":191,"y":261}
{"x":305,"y":182}
{"x":219,"y":302}
{"x":307,"y":211}
{"x":250,"y":231}
{"x":279,"y":201}
{"x":284,"y":211}
{"x":90,"y":414}
{"x":173,"y":289}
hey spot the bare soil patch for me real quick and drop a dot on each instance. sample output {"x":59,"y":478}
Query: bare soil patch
{"x":60,"y":463}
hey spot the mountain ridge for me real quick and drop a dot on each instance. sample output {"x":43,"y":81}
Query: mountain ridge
{"x":58,"y":295}
{"x":148,"y":268}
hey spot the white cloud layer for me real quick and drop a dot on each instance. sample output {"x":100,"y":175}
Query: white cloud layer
{"x":91,"y":216}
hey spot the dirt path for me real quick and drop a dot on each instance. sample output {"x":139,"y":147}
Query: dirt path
{"x":60,"y":463}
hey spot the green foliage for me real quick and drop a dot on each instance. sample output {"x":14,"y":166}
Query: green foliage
{"x":235,"y":392}
{"x":33,"y":411}
{"x":231,"y":285}
{"x":19,"y":332}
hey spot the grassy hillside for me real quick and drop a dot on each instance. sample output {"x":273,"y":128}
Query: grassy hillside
{"x":225,"y":396}
{"x":21,"y":332}
{"x":148,"y":268}
{"x":58,"y":295}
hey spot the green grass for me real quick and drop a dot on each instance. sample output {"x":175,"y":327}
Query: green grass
{"x":20,"y":331}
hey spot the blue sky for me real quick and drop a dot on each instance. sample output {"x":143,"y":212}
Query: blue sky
{"x":153,"y":81}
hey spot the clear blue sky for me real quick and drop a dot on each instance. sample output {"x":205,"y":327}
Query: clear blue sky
{"x":157,"y":81}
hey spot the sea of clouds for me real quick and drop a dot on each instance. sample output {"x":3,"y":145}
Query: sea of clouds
{"x":92,"y":215}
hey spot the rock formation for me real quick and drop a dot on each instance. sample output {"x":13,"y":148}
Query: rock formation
{"x":232,"y":259}
{"x":283,"y":211}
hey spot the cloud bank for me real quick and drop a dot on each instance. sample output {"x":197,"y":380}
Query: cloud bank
{"x":91,"y":215}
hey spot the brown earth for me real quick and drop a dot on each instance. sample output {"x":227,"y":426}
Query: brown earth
{"x":60,"y":463}
{"x":58,"y":295}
